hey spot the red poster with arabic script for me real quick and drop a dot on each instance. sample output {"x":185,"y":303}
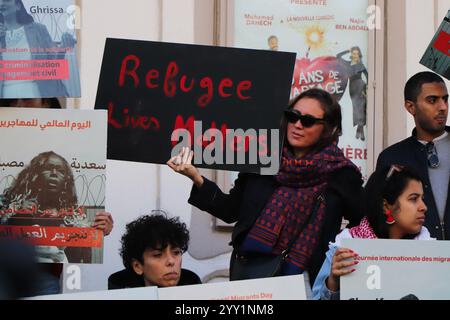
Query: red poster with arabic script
{"x":52,"y":181}
{"x":54,"y":236}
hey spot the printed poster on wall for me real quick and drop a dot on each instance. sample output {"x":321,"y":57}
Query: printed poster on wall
{"x":38,"y":49}
{"x":437,"y":56}
{"x":330,"y":38}
{"x":398,"y":270}
{"x":52,"y":181}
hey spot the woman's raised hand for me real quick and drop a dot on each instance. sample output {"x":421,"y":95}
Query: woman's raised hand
{"x":181,"y":163}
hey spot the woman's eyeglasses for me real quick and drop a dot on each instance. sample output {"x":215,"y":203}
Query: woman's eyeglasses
{"x":432,"y":156}
{"x":307,"y":121}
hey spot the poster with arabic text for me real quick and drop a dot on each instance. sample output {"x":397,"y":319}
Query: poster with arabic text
{"x":52,"y":181}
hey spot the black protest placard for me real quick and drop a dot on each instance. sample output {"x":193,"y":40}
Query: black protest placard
{"x":151,"y":89}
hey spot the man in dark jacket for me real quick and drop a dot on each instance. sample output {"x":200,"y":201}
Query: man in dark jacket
{"x":428,"y":149}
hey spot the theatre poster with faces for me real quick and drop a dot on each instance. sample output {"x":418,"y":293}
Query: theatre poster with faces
{"x":330,"y":38}
{"x":38,"y":49}
{"x":52,"y":181}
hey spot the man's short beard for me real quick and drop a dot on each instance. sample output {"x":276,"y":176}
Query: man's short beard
{"x":427,"y":127}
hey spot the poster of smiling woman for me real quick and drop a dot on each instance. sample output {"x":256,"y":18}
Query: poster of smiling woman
{"x":52,"y":181}
{"x":330,"y":38}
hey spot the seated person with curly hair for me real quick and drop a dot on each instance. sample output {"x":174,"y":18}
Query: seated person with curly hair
{"x":152,"y":249}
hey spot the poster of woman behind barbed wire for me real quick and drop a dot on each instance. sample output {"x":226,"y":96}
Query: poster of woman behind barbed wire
{"x":52,"y":181}
{"x":38,"y":49}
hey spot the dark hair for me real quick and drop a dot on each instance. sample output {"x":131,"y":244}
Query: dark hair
{"x":27,"y":182}
{"x":152,"y":232}
{"x":23,"y":17}
{"x":378,"y":189}
{"x":413,"y":86}
{"x":51,"y":103}
{"x":357,"y":49}
{"x":332,"y":115}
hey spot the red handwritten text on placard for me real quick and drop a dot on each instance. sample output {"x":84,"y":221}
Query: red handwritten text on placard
{"x":174,"y":79}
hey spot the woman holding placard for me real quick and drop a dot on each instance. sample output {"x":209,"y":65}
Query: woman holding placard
{"x":284,"y":222}
{"x":394,"y":207}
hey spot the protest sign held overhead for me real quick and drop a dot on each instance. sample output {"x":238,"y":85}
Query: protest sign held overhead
{"x":226,"y":104}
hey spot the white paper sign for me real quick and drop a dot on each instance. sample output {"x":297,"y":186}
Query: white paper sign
{"x":398,"y":269}
{"x":278,"y":288}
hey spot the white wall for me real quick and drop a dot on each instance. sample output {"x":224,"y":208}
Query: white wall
{"x":395,"y":72}
{"x":137,"y":19}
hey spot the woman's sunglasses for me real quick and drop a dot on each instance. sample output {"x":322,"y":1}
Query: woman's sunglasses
{"x":307,"y":121}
